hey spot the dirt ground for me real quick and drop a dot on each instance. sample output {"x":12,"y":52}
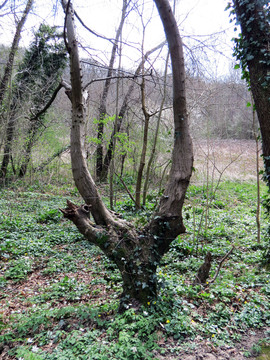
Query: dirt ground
{"x":204,"y":350}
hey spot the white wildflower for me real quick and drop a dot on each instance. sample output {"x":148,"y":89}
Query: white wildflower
{"x":34,"y":349}
{"x":134,"y":349}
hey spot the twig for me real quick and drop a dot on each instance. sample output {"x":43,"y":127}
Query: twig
{"x":220,"y":264}
{"x":133,"y":77}
{"x":46,"y":107}
{"x":125,"y":186}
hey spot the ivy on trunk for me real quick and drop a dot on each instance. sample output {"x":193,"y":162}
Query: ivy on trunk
{"x":252,"y":50}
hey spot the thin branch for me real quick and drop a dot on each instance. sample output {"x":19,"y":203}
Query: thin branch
{"x":46,"y":107}
{"x":3,"y":4}
{"x":220,"y":264}
{"x":92,"y":31}
{"x":51,"y":158}
{"x":125,"y":186}
{"x":133,"y":77}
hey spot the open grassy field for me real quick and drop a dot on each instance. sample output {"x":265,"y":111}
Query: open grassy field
{"x":235,"y":159}
{"x":59,"y":295}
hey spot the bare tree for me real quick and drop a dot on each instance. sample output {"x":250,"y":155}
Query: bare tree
{"x":153,"y":150}
{"x":123,"y":109}
{"x":136,"y":252}
{"x":102,"y":106}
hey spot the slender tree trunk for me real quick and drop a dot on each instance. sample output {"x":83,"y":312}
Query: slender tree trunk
{"x":14,"y":47}
{"x":102,"y":107}
{"x":256,"y":138}
{"x":122,"y":113}
{"x":81,"y":175}
{"x":169,"y":214}
{"x":153,"y":151}
{"x":8,"y":145}
{"x":144,"y":149}
{"x":31,"y":135}
{"x":3,"y":87}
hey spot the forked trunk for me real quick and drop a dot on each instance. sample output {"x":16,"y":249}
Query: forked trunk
{"x":136,"y":253}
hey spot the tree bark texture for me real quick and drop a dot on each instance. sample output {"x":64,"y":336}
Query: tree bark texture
{"x":136,"y":252}
{"x":169,"y":216}
{"x":255,"y":29}
{"x":8,"y":145}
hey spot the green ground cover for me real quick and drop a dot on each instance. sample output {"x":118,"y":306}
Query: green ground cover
{"x":59,"y":295}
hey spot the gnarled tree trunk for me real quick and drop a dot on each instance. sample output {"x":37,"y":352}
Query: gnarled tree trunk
{"x":136,"y":253}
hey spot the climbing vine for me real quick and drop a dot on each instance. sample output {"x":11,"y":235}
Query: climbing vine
{"x":253,"y":42}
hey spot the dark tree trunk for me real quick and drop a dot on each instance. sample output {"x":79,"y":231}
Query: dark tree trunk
{"x":133,"y":252}
{"x":169,"y":215}
{"x":144,"y":149}
{"x":34,"y":127}
{"x":255,"y":44}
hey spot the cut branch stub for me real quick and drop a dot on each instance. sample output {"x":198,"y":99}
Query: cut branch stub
{"x":72,"y":210}
{"x":204,"y":270}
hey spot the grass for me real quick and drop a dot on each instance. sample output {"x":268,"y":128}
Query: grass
{"x":59,"y":294}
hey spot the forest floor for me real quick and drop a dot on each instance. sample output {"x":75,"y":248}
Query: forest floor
{"x":59,"y":295}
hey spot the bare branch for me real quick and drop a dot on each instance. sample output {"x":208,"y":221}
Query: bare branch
{"x":46,"y":107}
{"x":3,"y":4}
{"x":125,"y":186}
{"x":220,"y":264}
{"x":133,"y":77}
{"x":92,"y":31}
{"x":51,"y":158}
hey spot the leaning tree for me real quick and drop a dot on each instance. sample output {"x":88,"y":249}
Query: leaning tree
{"x":136,"y":252}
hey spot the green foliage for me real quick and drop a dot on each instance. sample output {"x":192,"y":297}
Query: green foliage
{"x":251,"y":44}
{"x":18,"y":269}
{"x":52,"y":215}
{"x":66,"y":305}
{"x":67,"y":288}
{"x":42,"y":67}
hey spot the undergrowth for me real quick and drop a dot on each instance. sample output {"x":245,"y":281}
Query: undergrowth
{"x":59,"y":294}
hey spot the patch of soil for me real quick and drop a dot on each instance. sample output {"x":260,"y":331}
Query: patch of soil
{"x":205,"y":350}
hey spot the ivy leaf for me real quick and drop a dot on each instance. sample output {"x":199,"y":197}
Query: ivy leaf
{"x":250,"y":57}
